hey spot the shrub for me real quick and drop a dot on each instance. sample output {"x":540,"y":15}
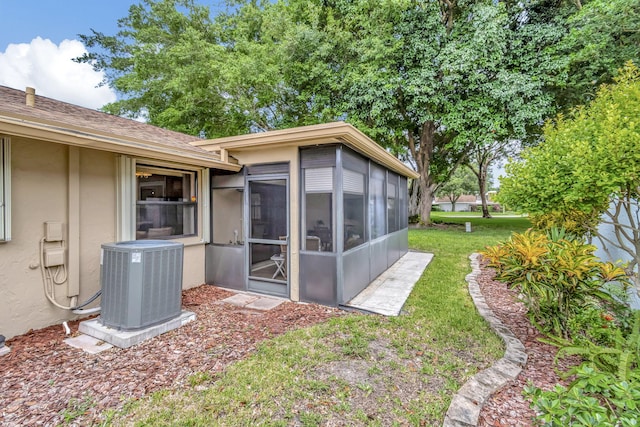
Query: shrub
{"x":593,"y":399}
{"x":620,"y":358}
{"x":415,"y":219}
{"x":573,"y":221}
{"x":606,"y":389}
{"x":556,"y":274}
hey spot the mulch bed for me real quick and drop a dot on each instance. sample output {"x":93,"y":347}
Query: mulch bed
{"x":43,"y":378}
{"x":508,"y":407}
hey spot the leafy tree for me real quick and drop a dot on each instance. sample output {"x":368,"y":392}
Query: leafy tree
{"x":461,"y":182}
{"x":179,"y":69}
{"x":587,"y":171}
{"x":601,"y":36}
{"x":427,"y":79}
{"x":480,"y":159}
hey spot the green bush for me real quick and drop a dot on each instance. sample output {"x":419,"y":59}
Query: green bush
{"x":621,"y":357}
{"x":606,"y":389}
{"x":556,"y":274}
{"x":594,"y":399}
{"x":414,"y":219}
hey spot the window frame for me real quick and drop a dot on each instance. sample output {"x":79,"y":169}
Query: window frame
{"x":360,"y":189}
{"x":5,"y":189}
{"x":326,"y":188}
{"x":190,"y":202}
{"x":126,"y":196}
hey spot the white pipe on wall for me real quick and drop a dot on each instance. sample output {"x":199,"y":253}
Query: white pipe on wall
{"x":73,"y":241}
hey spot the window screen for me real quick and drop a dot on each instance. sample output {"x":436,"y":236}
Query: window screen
{"x":377,"y":203}
{"x":318,"y":185}
{"x":354,"y":208}
{"x":392,"y":207}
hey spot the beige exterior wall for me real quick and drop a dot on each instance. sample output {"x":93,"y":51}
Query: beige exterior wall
{"x":49,"y":180}
{"x":291,"y":155}
{"x":77,"y":187}
{"x":193,"y":266}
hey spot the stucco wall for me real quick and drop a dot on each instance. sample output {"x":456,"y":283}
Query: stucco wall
{"x":41,"y":179}
{"x":193,"y":273}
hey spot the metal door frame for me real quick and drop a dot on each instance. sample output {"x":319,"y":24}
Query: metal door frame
{"x":249,"y":240}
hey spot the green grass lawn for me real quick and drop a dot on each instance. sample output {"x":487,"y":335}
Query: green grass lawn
{"x":356,"y":369}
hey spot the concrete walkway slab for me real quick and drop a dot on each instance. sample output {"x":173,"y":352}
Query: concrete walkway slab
{"x":253,"y":302}
{"x":88,"y":344}
{"x":240,"y":300}
{"x":264,"y":304}
{"x":388,"y":292}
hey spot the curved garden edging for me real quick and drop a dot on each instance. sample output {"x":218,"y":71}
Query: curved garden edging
{"x":466,"y":405}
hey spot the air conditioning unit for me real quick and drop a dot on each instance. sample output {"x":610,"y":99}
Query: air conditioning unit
{"x":141,"y":283}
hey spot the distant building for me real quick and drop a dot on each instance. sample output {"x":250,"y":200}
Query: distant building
{"x":465,"y":203}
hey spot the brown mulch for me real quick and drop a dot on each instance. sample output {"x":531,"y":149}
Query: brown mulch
{"x":43,"y":378}
{"x":508,"y":407}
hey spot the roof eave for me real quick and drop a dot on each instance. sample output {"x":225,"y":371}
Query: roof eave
{"x":62,"y":134}
{"x":329,"y":133}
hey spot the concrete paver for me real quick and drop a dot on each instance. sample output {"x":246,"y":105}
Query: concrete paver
{"x":388,"y":292}
{"x":88,"y":344}
{"x":240,"y":300}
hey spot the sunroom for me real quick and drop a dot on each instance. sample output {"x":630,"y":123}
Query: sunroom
{"x":315,"y":214}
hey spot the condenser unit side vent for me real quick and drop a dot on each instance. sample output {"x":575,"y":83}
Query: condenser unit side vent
{"x":141,"y":283}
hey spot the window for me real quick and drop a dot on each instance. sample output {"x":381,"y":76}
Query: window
{"x":353,"y":206}
{"x":402,"y":197}
{"x":166,"y":203}
{"x":318,"y":184}
{"x":392,"y":206}
{"x":5,"y":190}
{"x":377,"y":205}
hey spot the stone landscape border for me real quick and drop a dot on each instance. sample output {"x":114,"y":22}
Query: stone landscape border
{"x":466,"y":405}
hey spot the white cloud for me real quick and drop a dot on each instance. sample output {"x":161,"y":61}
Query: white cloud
{"x":50,"y":70}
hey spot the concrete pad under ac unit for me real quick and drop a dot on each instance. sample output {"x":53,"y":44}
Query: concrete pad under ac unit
{"x":126,"y":339}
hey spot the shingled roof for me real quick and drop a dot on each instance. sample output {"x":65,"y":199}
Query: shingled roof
{"x":95,"y":129}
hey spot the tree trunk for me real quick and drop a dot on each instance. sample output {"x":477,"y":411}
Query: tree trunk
{"x":482,"y":185}
{"x":414,"y":198}
{"x":483,"y":163}
{"x":426,"y":199}
{"x":422,"y":151}
{"x":427,"y":187}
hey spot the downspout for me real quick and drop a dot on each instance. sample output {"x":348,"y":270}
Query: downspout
{"x":73,"y":243}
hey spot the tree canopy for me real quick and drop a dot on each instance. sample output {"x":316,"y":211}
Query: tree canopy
{"x":429,"y":80}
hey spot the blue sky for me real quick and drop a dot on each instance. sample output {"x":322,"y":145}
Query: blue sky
{"x":39,"y":39}
{"x":57,"y":20}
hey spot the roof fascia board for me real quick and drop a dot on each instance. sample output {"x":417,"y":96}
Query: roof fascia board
{"x":307,"y":135}
{"x":81,"y":138}
{"x":330,"y":133}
